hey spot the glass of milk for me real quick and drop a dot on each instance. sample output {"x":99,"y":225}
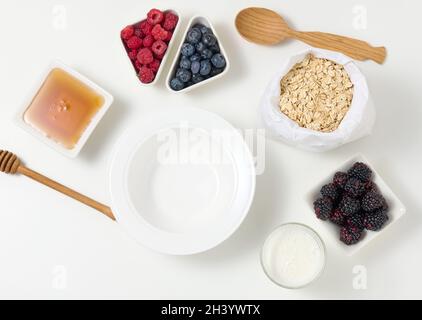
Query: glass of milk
{"x":293,"y":256}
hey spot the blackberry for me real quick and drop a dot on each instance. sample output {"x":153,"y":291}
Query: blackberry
{"x":376,"y":220}
{"x":356,"y":221}
{"x":323,"y":208}
{"x":340,"y":179}
{"x":360,"y":171}
{"x":337,"y":217}
{"x":371,"y":186}
{"x":354,"y":187}
{"x":350,"y":235}
{"x":372,"y":201}
{"x":330,"y":190}
{"x":349,"y":206}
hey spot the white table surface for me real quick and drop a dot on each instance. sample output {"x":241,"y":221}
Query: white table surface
{"x":54,"y":247}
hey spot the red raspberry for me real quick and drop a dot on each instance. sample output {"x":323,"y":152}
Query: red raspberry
{"x":170,"y":21}
{"x":159,"y":33}
{"x":138,"y":65}
{"x":127,"y":32}
{"x":134,"y":43}
{"x":169,"y":36}
{"x":139,"y":33}
{"x":133,"y":54}
{"x":148,"y":41}
{"x":155,"y":16}
{"x":146,"y":75}
{"x":145,"y":27}
{"x":145,"y":56}
{"x":159,"y":56}
{"x":154,"y":66}
{"x":159,"y":47}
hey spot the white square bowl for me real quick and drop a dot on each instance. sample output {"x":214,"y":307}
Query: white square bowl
{"x":397,"y":209}
{"x":166,"y":54}
{"x":72,"y":153}
{"x":206,"y":22}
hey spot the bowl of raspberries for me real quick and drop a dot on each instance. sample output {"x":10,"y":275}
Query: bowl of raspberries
{"x":356,"y":204}
{"x":200,"y":57}
{"x":148,"y":41}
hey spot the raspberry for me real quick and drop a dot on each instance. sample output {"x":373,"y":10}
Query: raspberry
{"x":323,"y":208}
{"x":145,"y":27}
{"x":337,"y":217}
{"x":159,"y":33}
{"x":133,"y":54}
{"x":127,"y":32}
{"x":170,"y":21}
{"x":169,"y":36}
{"x":134,"y":43}
{"x":148,"y":41}
{"x":355,"y":187}
{"x":138,"y":65}
{"x":154,"y":66}
{"x":159,"y":47}
{"x":340,"y":179}
{"x":155,"y":16}
{"x":146,"y":75}
{"x":159,"y":56}
{"x":139,"y":33}
{"x":145,"y":56}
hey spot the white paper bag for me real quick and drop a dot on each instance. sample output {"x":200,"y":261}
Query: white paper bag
{"x":357,"y":123}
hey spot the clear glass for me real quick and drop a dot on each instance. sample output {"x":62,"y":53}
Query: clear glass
{"x":317,"y":239}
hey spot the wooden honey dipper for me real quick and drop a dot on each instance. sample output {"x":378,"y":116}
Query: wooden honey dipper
{"x":10,"y":164}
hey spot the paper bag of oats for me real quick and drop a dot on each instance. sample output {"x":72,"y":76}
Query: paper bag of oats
{"x":318,"y":101}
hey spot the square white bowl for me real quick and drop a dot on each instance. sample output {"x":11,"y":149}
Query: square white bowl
{"x":72,"y":153}
{"x":206,"y":22}
{"x":169,"y":47}
{"x":397,"y":209}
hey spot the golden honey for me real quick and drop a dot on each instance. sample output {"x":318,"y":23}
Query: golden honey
{"x":63,"y":108}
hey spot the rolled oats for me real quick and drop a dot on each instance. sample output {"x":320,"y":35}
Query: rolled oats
{"x":316,"y":93}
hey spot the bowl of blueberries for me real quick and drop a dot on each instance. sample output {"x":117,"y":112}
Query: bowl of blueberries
{"x":200,"y":58}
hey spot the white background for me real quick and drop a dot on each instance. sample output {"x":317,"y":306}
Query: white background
{"x":54,"y":247}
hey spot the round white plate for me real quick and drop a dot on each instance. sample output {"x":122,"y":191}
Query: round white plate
{"x":182,"y":181}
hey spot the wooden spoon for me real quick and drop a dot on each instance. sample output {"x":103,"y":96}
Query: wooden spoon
{"x":264,"y":26}
{"x":10,"y":164}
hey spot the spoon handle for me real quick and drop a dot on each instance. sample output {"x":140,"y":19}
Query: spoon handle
{"x":356,"y":49}
{"x":65,"y":190}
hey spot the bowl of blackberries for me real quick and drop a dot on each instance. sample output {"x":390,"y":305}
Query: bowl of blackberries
{"x":200,"y":58}
{"x":355,"y":204}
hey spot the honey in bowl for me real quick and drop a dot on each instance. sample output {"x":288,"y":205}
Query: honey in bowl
{"x":63,"y":108}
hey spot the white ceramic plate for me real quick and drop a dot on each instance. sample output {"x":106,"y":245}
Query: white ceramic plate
{"x":397,"y":209}
{"x":182,"y":181}
{"x":72,"y":153}
{"x":206,"y":22}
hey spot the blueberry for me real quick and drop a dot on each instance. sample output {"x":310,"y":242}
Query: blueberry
{"x":188,"y":49}
{"x":176,"y":84}
{"x":206,"y":54}
{"x":215,"y":48}
{"x":195,"y":67}
{"x":205,"y":67}
{"x":200,"y":47}
{"x":209,"y":39}
{"x":216,"y":71}
{"x":218,"y":60}
{"x":183,"y":75}
{"x":195,"y":57}
{"x":203,"y":28}
{"x":185,"y":63}
{"x":194,"y":36}
{"x":196,"y":78}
